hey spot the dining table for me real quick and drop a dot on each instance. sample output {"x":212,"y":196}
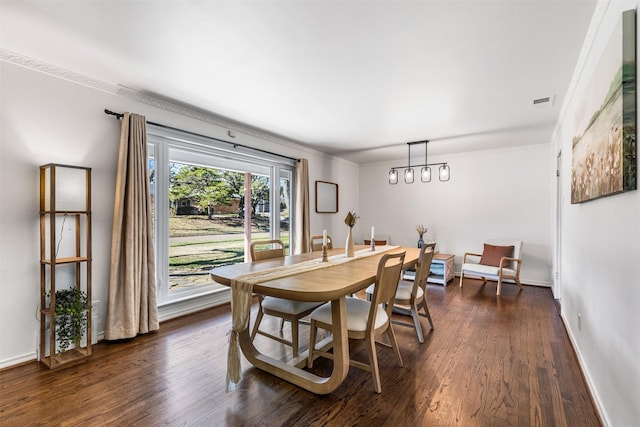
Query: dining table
{"x":330,"y":281}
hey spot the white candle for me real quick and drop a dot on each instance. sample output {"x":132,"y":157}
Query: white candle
{"x":324,"y":237}
{"x":373,"y":232}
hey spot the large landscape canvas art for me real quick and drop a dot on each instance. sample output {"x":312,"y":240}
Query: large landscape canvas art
{"x":604,"y":153}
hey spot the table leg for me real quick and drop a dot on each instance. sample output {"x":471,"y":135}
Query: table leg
{"x":299,"y":377}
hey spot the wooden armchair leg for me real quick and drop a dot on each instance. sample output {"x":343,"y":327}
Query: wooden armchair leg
{"x":256,"y":325}
{"x":312,"y":343}
{"x":394,"y":345}
{"x":294,"y":337}
{"x":426,"y":311}
{"x":373,"y":363}
{"x":416,"y":322}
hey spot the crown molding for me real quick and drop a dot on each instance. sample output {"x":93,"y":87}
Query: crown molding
{"x":153,"y":101}
{"x":43,"y":67}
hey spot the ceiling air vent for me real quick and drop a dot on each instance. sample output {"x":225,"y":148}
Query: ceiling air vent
{"x":543,"y":102}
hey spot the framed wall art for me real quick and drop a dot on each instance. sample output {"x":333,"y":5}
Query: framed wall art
{"x":326,"y":197}
{"x":604,"y":153}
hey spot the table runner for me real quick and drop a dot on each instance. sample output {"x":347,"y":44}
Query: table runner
{"x":242,"y":291}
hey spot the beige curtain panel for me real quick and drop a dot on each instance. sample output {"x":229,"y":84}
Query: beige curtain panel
{"x":301,"y":224}
{"x":132,"y":307}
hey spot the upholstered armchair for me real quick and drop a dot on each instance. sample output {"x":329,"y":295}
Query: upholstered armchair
{"x":499,"y":261}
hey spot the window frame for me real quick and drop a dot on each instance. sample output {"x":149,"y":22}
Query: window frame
{"x":167,"y":145}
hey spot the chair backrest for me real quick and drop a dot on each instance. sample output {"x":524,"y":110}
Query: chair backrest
{"x":423,"y":267}
{"x":275,"y":249}
{"x":376,"y":242}
{"x":316,"y":243}
{"x":517,"y":247}
{"x":386,"y":285}
{"x":431,"y":245}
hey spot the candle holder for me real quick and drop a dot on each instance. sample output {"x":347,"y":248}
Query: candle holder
{"x":373,"y":245}
{"x":324,"y":254}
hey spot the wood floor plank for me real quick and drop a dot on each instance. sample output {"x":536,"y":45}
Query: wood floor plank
{"x":491,"y":361}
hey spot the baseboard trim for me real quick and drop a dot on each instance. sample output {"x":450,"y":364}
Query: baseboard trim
{"x":18,"y":360}
{"x":595,"y":398}
{"x":182,"y":308}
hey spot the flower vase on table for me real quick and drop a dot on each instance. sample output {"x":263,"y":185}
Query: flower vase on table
{"x":350,"y":220}
{"x":421,"y":229}
{"x":348,"y":247}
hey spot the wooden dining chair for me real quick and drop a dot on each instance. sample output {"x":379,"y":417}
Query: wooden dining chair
{"x":269,"y":249}
{"x":376,"y":242}
{"x":365,"y":319}
{"x":411,"y":295}
{"x":315,"y":244}
{"x":289,"y":310}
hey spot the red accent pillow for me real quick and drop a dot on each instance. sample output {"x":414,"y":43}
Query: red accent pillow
{"x":492,"y":254}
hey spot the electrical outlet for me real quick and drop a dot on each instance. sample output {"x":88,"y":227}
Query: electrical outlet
{"x":579,"y":321}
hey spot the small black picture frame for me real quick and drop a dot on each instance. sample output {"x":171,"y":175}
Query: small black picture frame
{"x":326,"y":197}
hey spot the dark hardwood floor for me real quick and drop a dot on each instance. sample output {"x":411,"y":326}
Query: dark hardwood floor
{"x":491,"y":361}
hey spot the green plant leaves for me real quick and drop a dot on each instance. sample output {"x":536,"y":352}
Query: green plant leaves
{"x":71,"y":317}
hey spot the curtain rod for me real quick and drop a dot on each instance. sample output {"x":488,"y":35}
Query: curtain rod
{"x":235,"y":144}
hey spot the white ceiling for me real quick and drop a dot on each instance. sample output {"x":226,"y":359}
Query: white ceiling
{"x":345,"y":77}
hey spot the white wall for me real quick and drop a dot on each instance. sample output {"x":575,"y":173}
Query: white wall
{"x":492,"y":194}
{"x":600,"y":247}
{"x":345,"y":174}
{"x":45,"y":119}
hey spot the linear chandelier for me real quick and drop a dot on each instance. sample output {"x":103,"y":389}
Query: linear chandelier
{"x":444,"y":171}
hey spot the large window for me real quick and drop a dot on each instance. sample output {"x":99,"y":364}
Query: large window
{"x":209,"y":202}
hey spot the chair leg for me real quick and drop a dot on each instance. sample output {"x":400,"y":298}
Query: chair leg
{"x":461,"y":277}
{"x":294,"y":337}
{"x":416,"y":322}
{"x":373,"y":362}
{"x":312,"y":342}
{"x":426,"y":310}
{"x":518,"y":282}
{"x":394,"y":344}
{"x":257,"y":322}
{"x":499,"y":285}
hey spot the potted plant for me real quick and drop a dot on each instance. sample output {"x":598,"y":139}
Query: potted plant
{"x":71,"y":317}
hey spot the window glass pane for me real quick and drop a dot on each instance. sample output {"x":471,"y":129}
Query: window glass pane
{"x":285,"y":211}
{"x":205,"y":223}
{"x":260,"y":208}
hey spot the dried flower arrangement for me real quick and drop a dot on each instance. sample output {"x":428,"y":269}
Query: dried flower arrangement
{"x":351,"y":218}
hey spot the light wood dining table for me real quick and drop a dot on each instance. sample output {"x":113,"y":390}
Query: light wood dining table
{"x":332,"y":284}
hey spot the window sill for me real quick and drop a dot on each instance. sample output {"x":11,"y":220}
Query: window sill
{"x":192,"y":303}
